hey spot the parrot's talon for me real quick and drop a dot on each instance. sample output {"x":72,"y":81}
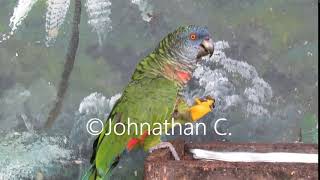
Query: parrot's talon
{"x":168,"y":145}
{"x":208,"y":97}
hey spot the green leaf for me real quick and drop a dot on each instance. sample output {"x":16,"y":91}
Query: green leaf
{"x":309,"y":129}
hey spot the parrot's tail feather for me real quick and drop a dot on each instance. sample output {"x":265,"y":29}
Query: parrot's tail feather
{"x":90,"y":173}
{"x":95,"y":145}
{"x":107,"y":174}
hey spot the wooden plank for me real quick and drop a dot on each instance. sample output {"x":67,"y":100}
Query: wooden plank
{"x":161,"y":165}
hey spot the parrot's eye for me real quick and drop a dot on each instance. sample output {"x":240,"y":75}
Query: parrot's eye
{"x":193,"y":36}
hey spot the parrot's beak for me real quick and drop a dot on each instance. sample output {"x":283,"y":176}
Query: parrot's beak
{"x":206,"y":47}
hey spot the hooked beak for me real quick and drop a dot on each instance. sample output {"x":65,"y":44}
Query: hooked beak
{"x":206,"y":47}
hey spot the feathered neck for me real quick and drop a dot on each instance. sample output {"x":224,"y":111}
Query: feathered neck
{"x":166,"y":61}
{"x":160,"y":64}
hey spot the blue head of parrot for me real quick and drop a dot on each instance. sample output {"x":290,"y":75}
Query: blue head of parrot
{"x":192,"y":42}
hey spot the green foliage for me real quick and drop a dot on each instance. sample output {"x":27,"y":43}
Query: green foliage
{"x":309,"y":129}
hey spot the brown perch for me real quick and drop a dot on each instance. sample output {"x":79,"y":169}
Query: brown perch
{"x":160,"y":165}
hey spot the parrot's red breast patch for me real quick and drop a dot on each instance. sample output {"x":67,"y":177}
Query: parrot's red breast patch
{"x":184,"y":76}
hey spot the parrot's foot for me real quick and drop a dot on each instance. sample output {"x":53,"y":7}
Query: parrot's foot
{"x":201,"y":107}
{"x":168,"y":145}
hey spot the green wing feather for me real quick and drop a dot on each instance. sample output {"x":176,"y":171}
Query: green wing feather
{"x":150,"y":99}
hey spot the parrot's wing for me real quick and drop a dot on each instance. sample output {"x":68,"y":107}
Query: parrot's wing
{"x":149,"y":100}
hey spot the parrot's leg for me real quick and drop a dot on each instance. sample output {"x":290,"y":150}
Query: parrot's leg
{"x":168,"y":145}
{"x":200,"y":108}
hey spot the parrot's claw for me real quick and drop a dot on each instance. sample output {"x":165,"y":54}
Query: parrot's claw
{"x":201,"y":107}
{"x":168,"y":145}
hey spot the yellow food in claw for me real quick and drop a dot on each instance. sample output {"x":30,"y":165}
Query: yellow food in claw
{"x":200,"y":109}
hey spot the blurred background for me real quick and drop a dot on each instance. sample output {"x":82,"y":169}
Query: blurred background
{"x":264,"y":74}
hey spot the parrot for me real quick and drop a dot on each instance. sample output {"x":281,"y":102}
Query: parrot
{"x":153,"y":95}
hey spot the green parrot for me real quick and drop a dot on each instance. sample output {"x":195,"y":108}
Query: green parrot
{"x":153,"y":96}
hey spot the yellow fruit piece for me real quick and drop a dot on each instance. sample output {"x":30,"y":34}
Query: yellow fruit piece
{"x":200,"y":109}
